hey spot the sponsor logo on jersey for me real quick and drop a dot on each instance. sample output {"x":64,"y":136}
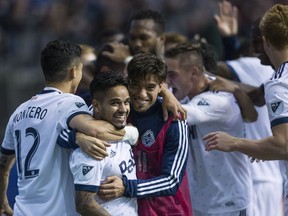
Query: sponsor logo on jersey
{"x":78,"y":104}
{"x":148,"y":138}
{"x":277,"y":107}
{"x":112,"y":153}
{"x":202,"y":102}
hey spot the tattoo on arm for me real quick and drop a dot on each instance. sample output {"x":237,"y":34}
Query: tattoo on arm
{"x":86,"y":204}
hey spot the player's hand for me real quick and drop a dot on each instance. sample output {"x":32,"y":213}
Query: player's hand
{"x":112,"y":188}
{"x":106,"y":131}
{"x":170,"y":103}
{"x":92,"y":146}
{"x":227,"y":20}
{"x":219,"y":141}
{"x":5,"y":209}
{"x":222,"y":84}
{"x":120,"y":52}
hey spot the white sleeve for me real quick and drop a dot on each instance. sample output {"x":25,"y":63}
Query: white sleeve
{"x":86,"y":171}
{"x":131,"y":135}
{"x":276,"y":96}
{"x":71,"y":106}
{"x":211,"y":107}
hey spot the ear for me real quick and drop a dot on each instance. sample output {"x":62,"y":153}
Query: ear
{"x":161,"y":86}
{"x":195,"y":71}
{"x":72,"y":73}
{"x":96,"y":106}
{"x":266,"y":42}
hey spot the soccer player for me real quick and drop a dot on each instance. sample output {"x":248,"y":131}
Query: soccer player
{"x":146,"y":34}
{"x":111,"y":102}
{"x":44,"y":180}
{"x":254,"y":71}
{"x":274,"y":27}
{"x":160,"y":156}
{"x":214,"y":182}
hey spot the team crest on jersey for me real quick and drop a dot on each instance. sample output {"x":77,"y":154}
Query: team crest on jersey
{"x":86,"y":169}
{"x":277,"y":107}
{"x":202,"y":102}
{"x":78,"y":104}
{"x":148,"y":138}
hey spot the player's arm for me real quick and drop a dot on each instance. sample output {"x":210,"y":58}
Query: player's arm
{"x":86,"y":205}
{"x":101,"y":129}
{"x":170,"y":103}
{"x":168,"y":182}
{"x":248,"y":111}
{"x":255,"y":93}
{"x":91,"y":145}
{"x":6,"y":163}
{"x":274,"y":147}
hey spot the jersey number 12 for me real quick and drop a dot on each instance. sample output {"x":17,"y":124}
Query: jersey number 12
{"x":27,"y":172}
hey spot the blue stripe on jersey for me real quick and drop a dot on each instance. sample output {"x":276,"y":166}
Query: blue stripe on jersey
{"x":179,"y":161}
{"x":7,"y":151}
{"x":91,"y":109}
{"x":279,"y":121}
{"x":279,"y":72}
{"x":91,"y":188}
{"x":233,"y":72}
{"x":75,"y":114}
{"x":67,"y":139}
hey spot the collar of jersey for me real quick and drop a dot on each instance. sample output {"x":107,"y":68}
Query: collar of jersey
{"x":49,"y":90}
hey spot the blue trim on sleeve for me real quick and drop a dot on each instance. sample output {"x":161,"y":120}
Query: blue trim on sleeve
{"x":233,"y":72}
{"x":130,"y":187}
{"x":91,"y":188}
{"x":67,"y":139}
{"x":7,"y":151}
{"x":279,"y":121}
{"x":74,"y":114}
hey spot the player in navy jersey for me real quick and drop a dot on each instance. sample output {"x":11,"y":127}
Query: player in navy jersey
{"x":274,"y":28}
{"x":44,"y":180}
{"x":161,"y":153}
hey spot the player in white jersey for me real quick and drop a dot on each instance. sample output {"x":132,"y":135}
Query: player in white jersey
{"x":267,"y":179}
{"x":44,"y":180}
{"x":111,"y":102}
{"x":274,"y":28}
{"x":220,"y":184}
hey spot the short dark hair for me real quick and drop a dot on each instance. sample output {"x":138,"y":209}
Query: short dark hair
{"x":155,"y":16}
{"x":103,"y":81}
{"x":106,"y":61}
{"x":202,"y":49}
{"x":144,"y":64}
{"x":58,"y":57}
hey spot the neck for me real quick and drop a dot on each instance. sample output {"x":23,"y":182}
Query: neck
{"x":278,"y":57}
{"x":64,"y":87}
{"x":200,"y":86}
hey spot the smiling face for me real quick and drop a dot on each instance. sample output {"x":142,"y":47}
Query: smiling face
{"x":144,"y":94}
{"x":115,"y":106}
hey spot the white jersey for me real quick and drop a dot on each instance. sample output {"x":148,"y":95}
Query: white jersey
{"x":220,"y":182}
{"x":89,"y":173}
{"x":250,"y":71}
{"x":44,"y":180}
{"x":276,"y":96}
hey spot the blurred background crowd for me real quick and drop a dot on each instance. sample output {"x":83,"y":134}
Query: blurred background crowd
{"x":27,"y":25}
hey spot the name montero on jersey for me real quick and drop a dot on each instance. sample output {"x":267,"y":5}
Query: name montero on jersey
{"x":31,"y":112}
